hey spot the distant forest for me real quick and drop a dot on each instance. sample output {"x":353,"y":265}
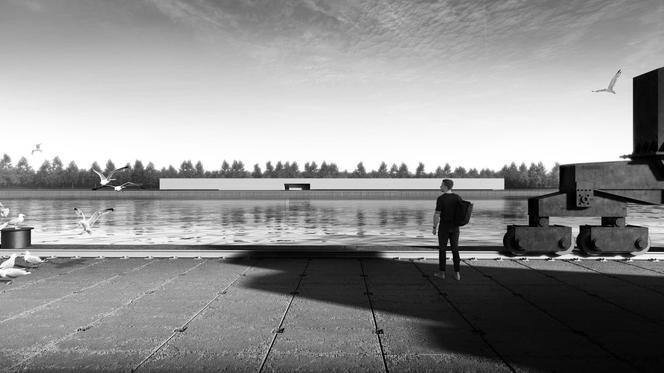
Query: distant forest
{"x":53,"y":174}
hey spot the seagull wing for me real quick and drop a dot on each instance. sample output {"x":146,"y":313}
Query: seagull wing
{"x":613,"y":81}
{"x":79,"y":213}
{"x":101,"y":176}
{"x":98,"y":214}
{"x":3,"y":225}
{"x":116,"y":170}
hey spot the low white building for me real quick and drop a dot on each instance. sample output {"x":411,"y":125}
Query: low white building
{"x":326,"y":184}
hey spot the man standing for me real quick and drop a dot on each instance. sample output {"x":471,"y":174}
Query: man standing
{"x":446,"y":205}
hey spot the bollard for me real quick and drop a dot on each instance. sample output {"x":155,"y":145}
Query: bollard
{"x":15,"y":238}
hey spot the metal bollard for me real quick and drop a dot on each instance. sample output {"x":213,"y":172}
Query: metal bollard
{"x":15,"y":238}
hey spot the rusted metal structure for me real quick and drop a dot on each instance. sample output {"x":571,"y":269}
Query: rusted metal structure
{"x":603,"y":190}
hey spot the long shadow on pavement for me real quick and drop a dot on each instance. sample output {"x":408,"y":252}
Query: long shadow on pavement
{"x":535,"y":315}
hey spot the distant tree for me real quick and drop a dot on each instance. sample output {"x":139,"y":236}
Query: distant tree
{"x":403,"y":171}
{"x":237,"y":169}
{"x":459,"y":172}
{"x":522,"y":181}
{"x":485,"y":172}
{"x":24,"y":172}
{"x":71,"y":175}
{"x":439,"y":172}
{"x":56,"y":173}
{"x":41,"y":177}
{"x":225,"y":169}
{"x":257,"y":172}
{"x":447,"y":170}
{"x":553,"y":176}
{"x":269,"y":170}
{"x":187,"y":169}
{"x":382,"y":171}
{"x":324,"y":170}
{"x":200,"y":171}
{"x":5,"y":162}
{"x":360,"y":171}
{"x":333,"y":170}
{"x":419,"y":171}
{"x":279,"y":169}
{"x":310,"y":170}
{"x":110,"y":166}
{"x":473,"y":173}
{"x":394,"y":170}
{"x":151,"y":178}
{"x":536,"y":175}
{"x":293,"y":170}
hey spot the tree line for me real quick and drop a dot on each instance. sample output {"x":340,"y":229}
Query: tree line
{"x":54,"y":174}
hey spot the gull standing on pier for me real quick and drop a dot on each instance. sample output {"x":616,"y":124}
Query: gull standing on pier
{"x":12,"y":273}
{"x":36,"y":149}
{"x":4,"y":211}
{"x":611,"y":84}
{"x":107,"y":179}
{"x":32,"y":259}
{"x":87,"y":224}
{"x":16,"y":221}
{"x":9,"y":263}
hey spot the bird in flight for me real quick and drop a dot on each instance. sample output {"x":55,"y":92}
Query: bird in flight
{"x":107,"y":179}
{"x":87,"y":224}
{"x":36,"y":149}
{"x":611,"y":84}
{"x":4,"y":211}
{"x":118,"y":188}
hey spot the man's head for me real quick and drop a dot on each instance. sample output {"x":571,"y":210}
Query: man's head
{"x":446,"y":185}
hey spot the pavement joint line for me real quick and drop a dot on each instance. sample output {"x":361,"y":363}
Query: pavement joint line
{"x":560,"y":321}
{"x":619,"y":278}
{"x":14,"y":288}
{"x":73,"y":293}
{"x":594,"y":295}
{"x":184,"y":326}
{"x":379,"y":331}
{"x":51,"y":345}
{"x":280,"y":328}
{"x":644,"y":268}
{"x":474,"y":329}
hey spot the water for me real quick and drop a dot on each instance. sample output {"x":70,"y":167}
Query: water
{"x":314,"y":222}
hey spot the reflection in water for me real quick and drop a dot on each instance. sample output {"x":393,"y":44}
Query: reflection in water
{"x":343,"y":222}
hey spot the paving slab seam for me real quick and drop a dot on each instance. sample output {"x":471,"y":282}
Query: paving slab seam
{"x":619,"y":278}
{"x":560,"y":321}
{"x":377,"y":329}
{"x":50,"y":346}
{"x":27,"y":284}
{"x":473,"y":328}
{"x":590,"y":294}
{"x":73,"y":293}
{"x":280,"y":328}
{"x":184,"y":326}
{"x":643,"y":268}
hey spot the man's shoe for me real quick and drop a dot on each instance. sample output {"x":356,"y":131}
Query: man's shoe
{"x":458,"y":276}
{"x":440,"y":275}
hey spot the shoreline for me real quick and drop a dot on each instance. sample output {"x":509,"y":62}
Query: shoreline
{"x":51,"y":194}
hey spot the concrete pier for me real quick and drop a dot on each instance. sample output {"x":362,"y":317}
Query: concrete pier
{"x":342,"y":314}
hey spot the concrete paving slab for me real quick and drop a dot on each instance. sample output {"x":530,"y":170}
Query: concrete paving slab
{"x":234,"y":332}
{"x":330,"y":324}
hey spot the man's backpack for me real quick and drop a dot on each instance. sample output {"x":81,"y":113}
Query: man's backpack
{"x":462,"y":213}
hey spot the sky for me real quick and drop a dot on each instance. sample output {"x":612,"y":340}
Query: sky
{"x":476,"y":84}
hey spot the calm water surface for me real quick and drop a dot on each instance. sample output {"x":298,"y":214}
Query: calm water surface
{"x":238,"y":222}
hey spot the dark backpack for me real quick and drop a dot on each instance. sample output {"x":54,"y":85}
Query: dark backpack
{"x":462,"y":213}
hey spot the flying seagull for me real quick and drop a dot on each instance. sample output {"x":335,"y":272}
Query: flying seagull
{"x":87,"y":224}
{"x":32,"y":259}
{"x":106,"y":179}
{"x":118,"y":188}
{"x":36,"y":149}
{"x":9,"y":263}
{"x":4,"y":211}
{"x":611,"y":84}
